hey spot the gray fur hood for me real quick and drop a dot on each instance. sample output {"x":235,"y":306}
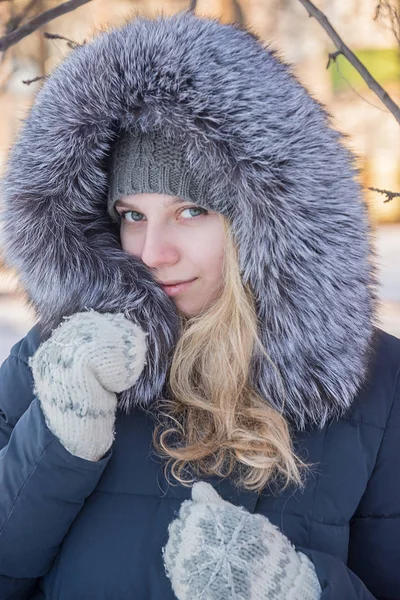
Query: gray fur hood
{"x":291,"y":195}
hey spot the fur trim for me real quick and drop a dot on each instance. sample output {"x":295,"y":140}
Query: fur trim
{"x":279,"y":172}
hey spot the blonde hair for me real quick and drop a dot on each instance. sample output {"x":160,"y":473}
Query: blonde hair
{"x":213,"y":422}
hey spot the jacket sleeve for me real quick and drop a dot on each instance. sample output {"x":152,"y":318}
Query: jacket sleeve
{"x":336,"y":579}
{"x":374,"y":552}
{"x":43,"y":486}
{"x":373,"y":569}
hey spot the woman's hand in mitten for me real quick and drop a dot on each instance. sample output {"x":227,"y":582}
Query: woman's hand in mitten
{"x":218,"y":550}
{"x":78,"y":371}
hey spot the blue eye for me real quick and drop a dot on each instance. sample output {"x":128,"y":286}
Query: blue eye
{"x":200,"y":210}
{"x":130,"y":212}
{"x":137,"y":217}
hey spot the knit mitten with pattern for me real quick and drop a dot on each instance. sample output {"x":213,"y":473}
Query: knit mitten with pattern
{"x":78,"y":371}
{"x":219,"y":551}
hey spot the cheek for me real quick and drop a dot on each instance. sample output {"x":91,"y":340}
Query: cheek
{"x":128,"y":242}
{"x":210,"y":258}
{"x":216,"y":264}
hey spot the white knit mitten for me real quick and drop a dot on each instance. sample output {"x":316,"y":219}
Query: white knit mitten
{"x":77,"y":372}
{"x":219,"y":551}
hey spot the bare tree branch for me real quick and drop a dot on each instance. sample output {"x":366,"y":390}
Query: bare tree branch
{"x":39,"y":78}
{"x":313,"y":11}
{"x":70,"y":43}
{"x":332,"y":56}
{"x":15,"y":21}
{"x":389,"y":195}
{"x":15,"y":36}
{"x":385,"y":10}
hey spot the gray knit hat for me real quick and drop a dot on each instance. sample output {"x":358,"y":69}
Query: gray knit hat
{"x":152,"y":162}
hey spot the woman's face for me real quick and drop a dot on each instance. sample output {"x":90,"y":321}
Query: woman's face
{"x":179,"y":242}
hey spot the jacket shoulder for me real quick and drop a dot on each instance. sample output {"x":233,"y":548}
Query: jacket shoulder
{"x":374,"y":402}
{"x":389,"y":346}
{"x":16,"y":382}
{"x":374,"y":551}
{"x":385,"y":355}
{"x":26,"y":346}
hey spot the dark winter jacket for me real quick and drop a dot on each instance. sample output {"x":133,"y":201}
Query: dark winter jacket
{"x":281,"y":176}
{"x":72,"y":529}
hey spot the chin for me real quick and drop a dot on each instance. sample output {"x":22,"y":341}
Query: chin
{"x":193,"y":311}
{"x":187,"y":312}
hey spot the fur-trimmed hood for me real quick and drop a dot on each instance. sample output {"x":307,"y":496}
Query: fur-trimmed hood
{"x":290,"y":193}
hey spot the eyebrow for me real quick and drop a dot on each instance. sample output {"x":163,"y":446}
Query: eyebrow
{"x":124,"y":204}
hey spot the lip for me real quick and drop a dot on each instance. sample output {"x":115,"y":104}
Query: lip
{"x":173,"y":290}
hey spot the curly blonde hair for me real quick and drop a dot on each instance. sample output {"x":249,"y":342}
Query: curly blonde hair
{"x":213,"y":422}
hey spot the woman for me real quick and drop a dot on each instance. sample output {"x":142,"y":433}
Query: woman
{"x":233,"y":437}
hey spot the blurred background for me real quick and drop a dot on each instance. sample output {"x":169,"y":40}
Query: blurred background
{"x":370,"y":28}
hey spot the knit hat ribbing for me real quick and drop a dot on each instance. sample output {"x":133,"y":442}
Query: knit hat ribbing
{"x":149,"y":162}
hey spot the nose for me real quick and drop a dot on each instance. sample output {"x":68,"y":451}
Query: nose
{"x":159,"y":248}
